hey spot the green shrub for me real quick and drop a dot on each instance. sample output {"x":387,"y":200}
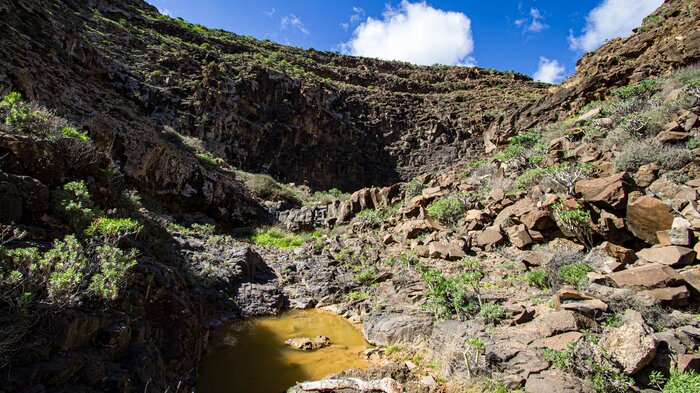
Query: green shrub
{"x":208,"y":160}
{"x":538,"y":278}
{"x":366,"y":276}
{"x":70,"y":132}
{"x":636,"y":154}
{"x":330,"y":195}
{"x":529,"y":179}
{"x":492,"y":312}
{"x":693,"y":143}
{"x":559,"y":359}
{"x":457,"y":295}
{"x":19,"y":117}
{"x":687,"y":75}
{"x":113,"y":263}
{"x":265,"y":187}
{"x":413,"y":188}
{"x":575,"y":220}
{"x":13,"y":109}
{"x":277,"y":238}
{"x":356,"y":295}
{"x":369,"y":218}
{"x":22,"y":274}
{"x":643,"y":88}
{"x":574,"y":274}
{"x":73,"y":203}
{"x":111,"y":230}
{"x":68,"y":262}
{"x":683,"y":382}
{"x":448,"y":210}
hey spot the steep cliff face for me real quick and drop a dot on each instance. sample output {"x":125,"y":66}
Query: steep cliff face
{"x":134,"y":77}
{"x":669,"y":39}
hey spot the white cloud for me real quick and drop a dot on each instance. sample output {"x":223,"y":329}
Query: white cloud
{"x":295,"y":22}
{"x":357,"y":15}
{"x":550,"y":71}
{"x":271,"y":13}
{"x":417,"y":33}
{"x":533,"y":25}
{"x":612,"y":18}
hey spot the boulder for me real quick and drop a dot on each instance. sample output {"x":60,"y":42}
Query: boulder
{"x":692,"y":214}
{"x":537,"y":220}
{"x":669,"y":296}
{"x":631,"y":345}
{"x":519,"y":236}
{"x":572,"y":300}
{"x":556,"y":322}
{"x":688,"y":362}
{"x":558,"y":342}
{"x":622,"y":254}
{"x":526,"y":362}
{"x":649,"y":276}
{"x":451,"y":251}
{"x":672,"y":136}
{"x":414,"y":228}
{"x":646,"y":174}
{"x":555,"y":381}
{"x":607,"y":192}
{"x":488,"y":239}
{"x":668,"y":255}
{"x":665,"y":189}
{"x":675,"y":237}
{"x":646,"y":216}
{"x":431,"y":193}
{"x":386,"y":328}
{"x":692,"y":278}
{"x":536,"y":258}
{"x":308,"y":344}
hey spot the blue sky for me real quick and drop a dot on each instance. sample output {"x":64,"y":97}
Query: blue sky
{"x":541,"y":38}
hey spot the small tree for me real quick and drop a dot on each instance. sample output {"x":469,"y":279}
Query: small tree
{"x":577,"y":221}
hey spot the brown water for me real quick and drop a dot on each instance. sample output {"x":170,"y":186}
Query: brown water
{"x":250,"y":356}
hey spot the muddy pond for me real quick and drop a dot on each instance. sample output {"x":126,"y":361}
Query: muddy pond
{"x":251,"y":357}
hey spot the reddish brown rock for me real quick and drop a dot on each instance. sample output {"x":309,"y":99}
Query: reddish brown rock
{"x":451,"y":252}
{"x":537,"y":220}
{"x":556,"y":322}
{"x":558,"y":342}
{"x":646,"y":216}
{"x":650,"y":276}
{"x":389,"y":239}
{"x":675,"y":237}
{"x":605,"y":191}
{"x":692,"y":278}
{"x":519,"y":236}
{"x":688,"y":362}
{"x":412,"y":229}
{"x":488,"y":239}
{"x":432,"y":193}
{"x":669,"y":296}
{"x":668,"y":255}
{"x":646,"y":174}
{"x":672,"y":136}
{"x":536,"y":258}
{"x":572,"y":300}
{"x":633,"y":344}
{"x":622,"y":254}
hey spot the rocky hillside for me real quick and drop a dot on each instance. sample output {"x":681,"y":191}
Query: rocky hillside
{"x":126,"y":73}
{"x":564,"y":260}
{"x":668,"y":39}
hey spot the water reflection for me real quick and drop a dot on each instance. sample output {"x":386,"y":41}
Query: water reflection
{"x":251,"y":357}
